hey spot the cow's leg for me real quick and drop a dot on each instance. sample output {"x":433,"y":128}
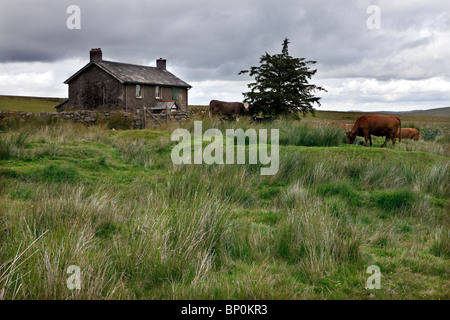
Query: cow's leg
{"x":219,"y":115}
{"x":393,"y":138}
{"x":385,"y":142}
{"x":366,"y":136}
{"x":370,"y":139}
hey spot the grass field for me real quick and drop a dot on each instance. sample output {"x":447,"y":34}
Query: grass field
{"x":29,"y":104}
{"x":112,"y":203}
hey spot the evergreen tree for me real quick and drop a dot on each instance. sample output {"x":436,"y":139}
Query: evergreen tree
{"x":281,"y":85}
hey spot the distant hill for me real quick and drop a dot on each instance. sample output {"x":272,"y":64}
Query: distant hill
{"x":29,"y":104}
{"x":445,"y":112}
{"x":432,"y":112}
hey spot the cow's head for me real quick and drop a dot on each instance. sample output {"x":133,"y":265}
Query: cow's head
{"x":249,"y":108}
{"x":351,"y":136}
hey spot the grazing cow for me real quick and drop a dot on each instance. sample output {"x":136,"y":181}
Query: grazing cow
{"x":378,"y":125}
{"x":227,"y":109}
{"x":410,"y":133}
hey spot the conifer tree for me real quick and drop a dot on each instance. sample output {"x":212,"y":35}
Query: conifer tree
{"x":281,"y":85}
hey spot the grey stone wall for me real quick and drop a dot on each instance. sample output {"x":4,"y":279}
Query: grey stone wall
{"x":89,"y":117}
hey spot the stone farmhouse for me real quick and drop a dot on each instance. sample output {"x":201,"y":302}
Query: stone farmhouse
{"x":107,"y":85}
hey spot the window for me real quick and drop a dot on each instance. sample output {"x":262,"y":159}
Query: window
{"x":176,"y":93}
{"x":157,"y":92}
{"x":138,"y":91}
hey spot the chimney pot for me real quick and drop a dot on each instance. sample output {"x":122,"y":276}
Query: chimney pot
{"x":161,"y":63}
{"x":96,"y":55}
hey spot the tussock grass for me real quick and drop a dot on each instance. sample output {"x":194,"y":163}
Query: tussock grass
{"x":315,"y":240}
{"x":394,"y":200}
{"x":310,"y":135}
{"x":293,"y":133}
{"x":441,"y":243}
{"x":112,"y":203}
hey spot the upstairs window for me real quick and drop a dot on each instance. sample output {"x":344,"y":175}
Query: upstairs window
{"x":138,"y":91}
{"x":176,"y":93}
{"x":158,"y":92}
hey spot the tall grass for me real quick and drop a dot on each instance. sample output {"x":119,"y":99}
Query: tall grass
{"x":310,"y":136}
{"x":133,"y":239}
{"x":314,"y":239}
{"x":294,"y":133}
{"x":112,"y":203}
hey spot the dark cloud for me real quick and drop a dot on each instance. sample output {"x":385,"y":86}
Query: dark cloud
{"x":214,"y":40}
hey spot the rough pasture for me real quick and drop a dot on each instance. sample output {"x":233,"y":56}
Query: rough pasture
{"x":112,"y":203}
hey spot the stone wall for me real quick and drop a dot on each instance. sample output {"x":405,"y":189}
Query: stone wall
{"x":89,"y":117}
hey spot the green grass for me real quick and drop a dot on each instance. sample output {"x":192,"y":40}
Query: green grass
{"x":29,"y":104}
{"x":112,"y":203}
{"x":394,"y":200}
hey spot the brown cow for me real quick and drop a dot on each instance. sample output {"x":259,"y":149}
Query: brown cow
{"x":227,"y":109}
{"x":378,"y":125}
{"x":410,"y":133}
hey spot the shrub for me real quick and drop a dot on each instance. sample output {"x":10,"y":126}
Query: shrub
{"x":5,"y":153}
{"x":118,"y":121}
{"x":430,"y":134}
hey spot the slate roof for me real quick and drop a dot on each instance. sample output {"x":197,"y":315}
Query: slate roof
{"x":131,"y":73}
{"x":62,"y":103}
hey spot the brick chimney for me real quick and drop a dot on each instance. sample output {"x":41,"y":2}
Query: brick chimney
{"x":96,"y":55}
{"x":161,"y":63}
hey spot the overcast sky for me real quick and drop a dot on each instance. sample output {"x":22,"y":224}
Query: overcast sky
{"x":402,"y":65}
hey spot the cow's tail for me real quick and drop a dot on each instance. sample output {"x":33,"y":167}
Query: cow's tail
{"x":400,"y":130}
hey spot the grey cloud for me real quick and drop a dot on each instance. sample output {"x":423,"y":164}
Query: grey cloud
{"x":214,"y":40}
{"x":417,"y":43}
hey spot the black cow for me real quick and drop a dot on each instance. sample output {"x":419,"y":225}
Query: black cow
{"x":227,"y":109}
